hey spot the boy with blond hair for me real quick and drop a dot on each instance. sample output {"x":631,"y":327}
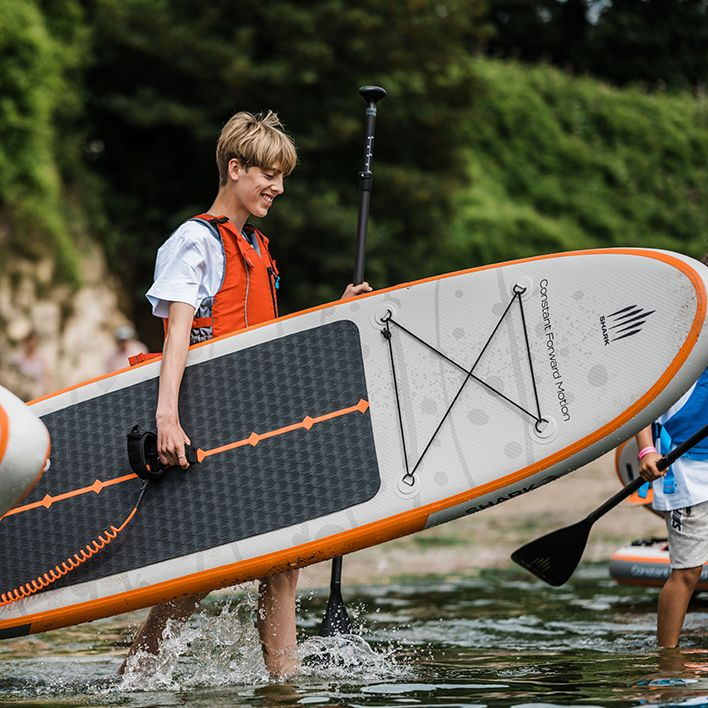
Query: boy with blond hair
{"x":215,"y":275}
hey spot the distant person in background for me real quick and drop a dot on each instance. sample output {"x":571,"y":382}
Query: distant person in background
{"x":682,"y":496}
{"x":126,"y":346}
{"x":33,"y":376}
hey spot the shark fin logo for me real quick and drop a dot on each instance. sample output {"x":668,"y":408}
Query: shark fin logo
{"x":623,"y":323}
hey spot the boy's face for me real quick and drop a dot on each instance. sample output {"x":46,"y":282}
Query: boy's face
{"x":257,"y":187}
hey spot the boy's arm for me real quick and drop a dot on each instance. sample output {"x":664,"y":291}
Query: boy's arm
{"x":170,"y":436}
{"x":647,"y":466}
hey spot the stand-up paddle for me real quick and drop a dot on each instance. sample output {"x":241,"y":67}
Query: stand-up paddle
{"x":554,"y":557}
{"x":336,"y":619}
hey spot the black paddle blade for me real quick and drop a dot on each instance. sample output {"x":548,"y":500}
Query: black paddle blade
{"x":336,"y":618}
{"x":554,"y":557}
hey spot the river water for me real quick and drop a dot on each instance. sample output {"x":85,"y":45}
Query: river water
{"x":498,"y":638}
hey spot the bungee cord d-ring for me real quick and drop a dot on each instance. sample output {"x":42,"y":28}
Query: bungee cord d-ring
{"x":539,"y":422}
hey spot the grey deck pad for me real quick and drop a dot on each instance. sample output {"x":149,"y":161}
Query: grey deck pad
{"x":281,"y":481}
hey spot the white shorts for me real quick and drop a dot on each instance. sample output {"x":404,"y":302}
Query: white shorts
{"x":688,"y":535}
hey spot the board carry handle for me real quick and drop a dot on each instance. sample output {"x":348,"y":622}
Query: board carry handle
{"x":143,"y":457}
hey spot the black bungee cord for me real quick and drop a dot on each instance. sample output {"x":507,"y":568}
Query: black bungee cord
{"x":388,"y":320}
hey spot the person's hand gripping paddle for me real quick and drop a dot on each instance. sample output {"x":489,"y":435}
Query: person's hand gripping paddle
{"x":554,"y":557}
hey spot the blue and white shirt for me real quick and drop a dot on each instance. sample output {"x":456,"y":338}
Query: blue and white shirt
{"x":689,"y":485}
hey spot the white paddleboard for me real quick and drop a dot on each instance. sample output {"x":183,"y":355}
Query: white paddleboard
{"x":355,"y":423}
{"x":24,"y":450}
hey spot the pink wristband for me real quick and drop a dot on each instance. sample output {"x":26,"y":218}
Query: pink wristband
{"x":646,"y":450}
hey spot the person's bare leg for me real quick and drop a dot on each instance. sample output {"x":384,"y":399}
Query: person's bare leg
{"x":149,"y":635}
{"x":276,"y":623}
{"x":673,"y":604}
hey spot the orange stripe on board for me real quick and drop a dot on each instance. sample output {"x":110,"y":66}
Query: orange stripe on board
{"x":253,"y":439}
{"x":206,"y":580}
{"x":640,"y":559}
{"x":4,"y":432}
{"x":305,"y":424}
{"x":97,"y":487}
{"x":618,"y":456}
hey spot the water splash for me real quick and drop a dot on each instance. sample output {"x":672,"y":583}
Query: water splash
{"x":212,"y":650}
{"x":222,"y":648}
{"x":350,"y":657}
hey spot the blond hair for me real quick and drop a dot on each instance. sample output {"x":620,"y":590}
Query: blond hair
{"x":258,"y":140}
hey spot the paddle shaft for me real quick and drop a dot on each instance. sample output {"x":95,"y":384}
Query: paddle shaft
{"x":662,"y":464}
{"x":371,"y":94}
{"x":336,"y":620}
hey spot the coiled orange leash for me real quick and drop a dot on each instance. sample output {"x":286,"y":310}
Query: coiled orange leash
{"x":59,"y":571}
{"x":145,"y":463}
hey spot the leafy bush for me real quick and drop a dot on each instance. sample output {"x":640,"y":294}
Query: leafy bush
{"x":39,"y":99}
{"x":558,"y":163}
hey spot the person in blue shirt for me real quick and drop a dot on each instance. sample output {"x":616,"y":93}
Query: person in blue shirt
{"x":681,"y":494}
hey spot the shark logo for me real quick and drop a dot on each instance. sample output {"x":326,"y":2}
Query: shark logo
{"x":623,"y":323}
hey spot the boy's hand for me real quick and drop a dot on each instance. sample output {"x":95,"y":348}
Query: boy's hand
{"x":171,"y":440}
{"x":648,"y":469}
{"x":354,"y":290}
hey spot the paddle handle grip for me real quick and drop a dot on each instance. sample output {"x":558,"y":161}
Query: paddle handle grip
{"x":635,"y":484}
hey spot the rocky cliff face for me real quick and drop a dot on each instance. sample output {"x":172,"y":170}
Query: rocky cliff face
{"x":74,"y":328}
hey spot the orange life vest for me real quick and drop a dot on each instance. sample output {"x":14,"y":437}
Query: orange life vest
{"x":249,"y":284}
{"x":248,"y":292}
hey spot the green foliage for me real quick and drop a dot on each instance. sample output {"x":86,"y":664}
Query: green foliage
{"x":167,"y":75}
{"x":558,"y":163}
{"x":660,"y":42}
{"x":656,"y":43}
{"x":38,"y":97}
{"x":113,"y":107}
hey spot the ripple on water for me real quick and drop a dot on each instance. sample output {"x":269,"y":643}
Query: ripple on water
{"x":493,"y":639}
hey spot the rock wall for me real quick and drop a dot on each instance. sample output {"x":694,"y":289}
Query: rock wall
{"x":74,"y":328}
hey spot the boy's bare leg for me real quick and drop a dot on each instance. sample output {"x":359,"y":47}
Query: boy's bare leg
{"x":276,"y":623}
{"x":673,"y":604}
{"x":149,"y":635}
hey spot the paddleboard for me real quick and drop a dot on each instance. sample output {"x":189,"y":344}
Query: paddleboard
{"x":646,"y":562}
{"x":351,"y":424}
{"x":24,"y":450}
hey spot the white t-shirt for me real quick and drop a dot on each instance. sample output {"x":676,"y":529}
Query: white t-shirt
{"x":189,"y":267}
{"x":690,"y":476}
